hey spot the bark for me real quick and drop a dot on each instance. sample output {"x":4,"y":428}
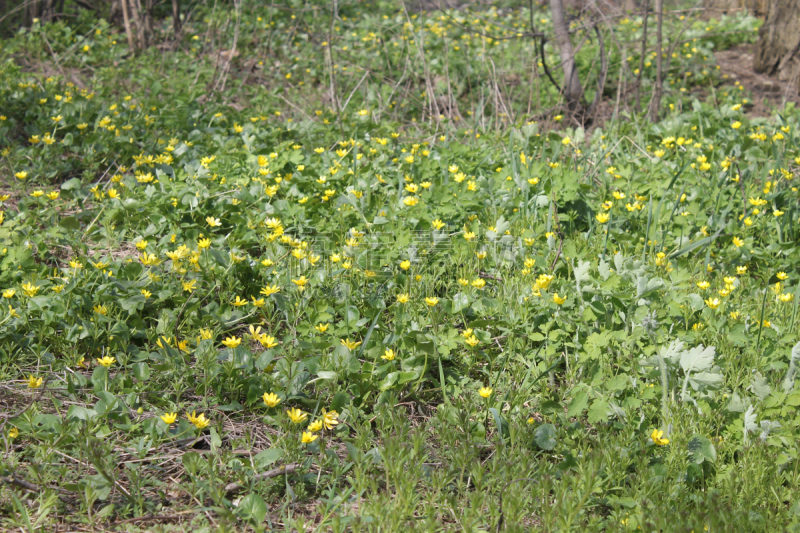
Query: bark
{"x":571,"y":87}
{"x":128,"y":31}
{"x":176,"y":16}
{"x":777,"y":51}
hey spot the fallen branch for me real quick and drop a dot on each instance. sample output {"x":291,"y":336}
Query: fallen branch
{"x":275,"y":472}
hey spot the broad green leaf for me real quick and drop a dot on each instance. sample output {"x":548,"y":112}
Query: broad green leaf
{"x":598,"y":412}
{"x":265,"y":459}
{"x":252,"y":508}
{"x":545,"y":436}
{"x":698,"y":359}
{"x":701,"y":449}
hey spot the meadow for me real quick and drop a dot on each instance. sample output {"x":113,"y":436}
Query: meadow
{"x":303,"y":268}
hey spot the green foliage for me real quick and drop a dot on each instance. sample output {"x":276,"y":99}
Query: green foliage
{"x":263,"y":308}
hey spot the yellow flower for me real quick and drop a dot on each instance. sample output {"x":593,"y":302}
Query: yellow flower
{"x":206,"y":334}
{"x":238,"y":302}
{"x":431,"y":301}
{"x":405,"y":265}
{"x":402,"y":298}
{"x":437,"y":224}
{"x":713,"y":303}
{"x":106,"y":361}
{"x":13,"y":433}
{"x":101,"y":310}
{"x":485,"y":392}
{"x":141,"y":245}
{"x":330,"y":419}
{"x":322,"y":328}
{"x":389,"y":355}
{"x":267,"y":341}
{"x":203,"y":243}
{"x":472,"y":340}
{"x":780,"y":275}
{"x":30,"y":289}
{"x":703,"y":284}
{"x":296,"y":415}
{"x":9,"y":293}
{"x":738,"y":242}
{"x":786,"y":297}
{"x":213,"y":222}
{"x":21,"y":175}
{"x":543,"y":281}
{"x":189,"y":286}
{"x":232,"y":342}
{"x":602,"y":218}
{"x":657,"y":437}
{"x":315,"y":426}
{"x":270,"y":290}
{"x":741,"y":269}
{"x":308,"y":437}
{"x":559,"y":300}
{"x":200,"y":421}
{"x":301,"y":283}
{"x":34,"y":382}
{"x":149,"y":259}
{"x":257,"y":302}
{"x":351,"y":345}
{"x":479,"y":283}
{"x":271,"y":399}
{"x":481,"y":254}
{"x":169,"y":418}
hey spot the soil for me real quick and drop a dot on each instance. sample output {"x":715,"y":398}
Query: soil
{"x":769,"y":92}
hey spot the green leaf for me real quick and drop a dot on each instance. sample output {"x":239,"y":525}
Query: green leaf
{"x":579,"y":403}
{"x":340,"y":399}
{"x":500,"y":422}
{"x":460,"y":302}
{"x":698,"y":359}
{"x":268,"y":457}
{"x":141,"y":371}
{"x":133,"y":304}
{"x":701,"y":449}
{"x":70,"y":223}
{"x":617,"y":383}
{"x":760,"y":386}
{"x":598,"y":412}
{"x":99,"y":378}
{"x":252,"y":508}
{"x":545,"y":436}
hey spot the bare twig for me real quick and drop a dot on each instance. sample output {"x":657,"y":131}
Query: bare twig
{"x":601,"y":79}
{"x":275,"y":472}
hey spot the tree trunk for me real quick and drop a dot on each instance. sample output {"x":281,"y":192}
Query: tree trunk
{"x":176,"y":16}
{"x":777,"y":50}
{"x":571,"y":89}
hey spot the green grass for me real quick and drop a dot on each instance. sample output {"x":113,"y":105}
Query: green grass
{"x":396,"y":252}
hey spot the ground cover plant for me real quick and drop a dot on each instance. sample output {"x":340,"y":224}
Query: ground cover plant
{"x":306,"y":270}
